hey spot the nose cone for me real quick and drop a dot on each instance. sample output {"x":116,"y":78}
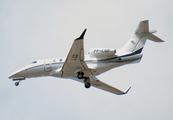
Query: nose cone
{"x":19,"y":74}
{"x":11,"y":75}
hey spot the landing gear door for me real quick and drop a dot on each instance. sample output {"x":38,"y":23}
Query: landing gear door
{"x":47,"y":65}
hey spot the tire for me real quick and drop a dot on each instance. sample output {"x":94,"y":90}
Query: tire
{"x":87,"y":85}
{"x":16,"y":83}
{"x":80,"y":75}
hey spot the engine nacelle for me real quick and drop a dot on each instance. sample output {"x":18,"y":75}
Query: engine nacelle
{"x":102,"y":53}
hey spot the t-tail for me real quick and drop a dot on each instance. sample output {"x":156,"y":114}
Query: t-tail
{"x":138,"y":39}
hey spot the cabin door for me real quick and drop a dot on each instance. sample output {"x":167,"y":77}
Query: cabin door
{"x":47,"y":65}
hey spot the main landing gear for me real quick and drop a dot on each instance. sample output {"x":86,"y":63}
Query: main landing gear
{"x":87,"y":82}
{"x":80,"y":75}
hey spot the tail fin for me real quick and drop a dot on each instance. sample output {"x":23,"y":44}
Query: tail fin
{"x":142,"y":27}
{"x":139,"y":37}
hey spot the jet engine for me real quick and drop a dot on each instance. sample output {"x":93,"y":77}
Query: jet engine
{"x":102,"y":53}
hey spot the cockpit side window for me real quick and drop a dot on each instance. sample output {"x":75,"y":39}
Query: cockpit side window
{"x":60,"y":60}
{"x":54,"y":60}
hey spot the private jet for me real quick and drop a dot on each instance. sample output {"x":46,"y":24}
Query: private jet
{"x":85,"y":68}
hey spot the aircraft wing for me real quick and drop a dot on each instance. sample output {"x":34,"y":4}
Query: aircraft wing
{"x":74,"y":61}
{"x":101,"y":85}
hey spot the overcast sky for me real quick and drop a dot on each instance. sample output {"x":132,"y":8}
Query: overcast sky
{"x":40,"y":29}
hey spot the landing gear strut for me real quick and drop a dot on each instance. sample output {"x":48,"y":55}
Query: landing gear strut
{"x":87,"y":82}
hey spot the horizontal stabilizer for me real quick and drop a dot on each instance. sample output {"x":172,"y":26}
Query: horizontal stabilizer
{"x":155,"y":38}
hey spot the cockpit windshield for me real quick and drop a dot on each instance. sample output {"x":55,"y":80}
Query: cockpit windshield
{"x":34,"y":62}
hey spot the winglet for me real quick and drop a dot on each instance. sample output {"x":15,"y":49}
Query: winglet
{"x":82,"y":35}
{"x":127,"y":90}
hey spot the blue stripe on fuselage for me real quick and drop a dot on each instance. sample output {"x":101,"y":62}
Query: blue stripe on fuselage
{"x":134,"y":53}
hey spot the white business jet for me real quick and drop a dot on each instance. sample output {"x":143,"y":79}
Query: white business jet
{"x":84,"y":68}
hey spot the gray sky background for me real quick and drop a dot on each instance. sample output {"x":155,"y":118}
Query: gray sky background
{"x":39,"y":29}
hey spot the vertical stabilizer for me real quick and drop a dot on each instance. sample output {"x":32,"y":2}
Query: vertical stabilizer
{"x":139,"y":37}
{"x":142,"y":27}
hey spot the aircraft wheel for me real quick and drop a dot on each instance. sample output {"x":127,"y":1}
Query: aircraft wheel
{"x":80,"y":75}
{"x":87,"y":85}
{"x":16,"y":83}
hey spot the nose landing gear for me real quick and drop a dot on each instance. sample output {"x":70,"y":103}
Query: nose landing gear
{"x":19,"y":79}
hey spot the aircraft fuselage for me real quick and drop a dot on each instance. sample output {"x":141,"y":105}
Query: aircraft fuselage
{"x":52,"y":67}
